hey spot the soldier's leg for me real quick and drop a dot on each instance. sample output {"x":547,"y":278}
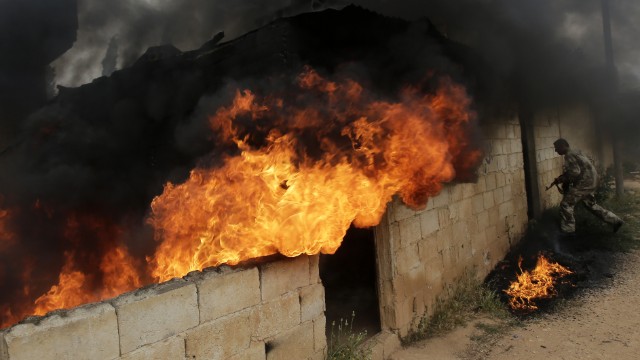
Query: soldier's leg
{"x":602,"y":213}
{"x":567,"y":205}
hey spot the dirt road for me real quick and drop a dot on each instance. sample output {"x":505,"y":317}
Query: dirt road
{"x":601,"y":322}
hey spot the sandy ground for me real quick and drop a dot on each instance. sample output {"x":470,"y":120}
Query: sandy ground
{"x":601,"y":322}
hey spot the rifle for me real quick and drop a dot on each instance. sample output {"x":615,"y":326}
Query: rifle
{"x":557,"y":182}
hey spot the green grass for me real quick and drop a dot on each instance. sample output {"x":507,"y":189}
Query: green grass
{"x":598,"y":235}
{"x":346,"y":344}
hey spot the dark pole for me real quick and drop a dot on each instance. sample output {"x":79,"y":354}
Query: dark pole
{"x":612,"y":90}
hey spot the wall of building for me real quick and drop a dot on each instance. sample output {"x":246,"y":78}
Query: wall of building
{"x":470,"y":227}
{"x":271,"y":311}
{"x":578,"y":127}
{"x":275,"y":310}
{"x":466,"y":228}
{"x":549,"y":164}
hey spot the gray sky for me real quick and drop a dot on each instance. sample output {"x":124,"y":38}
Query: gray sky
{"x":139,"y":24}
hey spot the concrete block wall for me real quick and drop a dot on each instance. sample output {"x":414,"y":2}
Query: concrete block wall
{"x":467,"y":227}
{"x":577,"y":125}
{"x":546,"y":131}
{"x":267,"y":312}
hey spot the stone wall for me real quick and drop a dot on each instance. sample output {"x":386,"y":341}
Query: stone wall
{"x":466,"y":228}
{"x":549,"y":164}
{"x":271,"y":311}
{"x":578,"y":127}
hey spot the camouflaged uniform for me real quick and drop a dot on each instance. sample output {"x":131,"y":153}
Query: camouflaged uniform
{"x":582,"y":178}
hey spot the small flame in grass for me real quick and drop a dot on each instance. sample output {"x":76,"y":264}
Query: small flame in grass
{"x":537,"y":284}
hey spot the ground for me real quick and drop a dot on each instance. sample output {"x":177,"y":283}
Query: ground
{"x":602,"y":321}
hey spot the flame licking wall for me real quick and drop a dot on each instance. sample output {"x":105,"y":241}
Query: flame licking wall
{"x":170,"y":165}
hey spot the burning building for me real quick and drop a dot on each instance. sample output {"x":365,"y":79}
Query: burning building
{"x":158,"y":205}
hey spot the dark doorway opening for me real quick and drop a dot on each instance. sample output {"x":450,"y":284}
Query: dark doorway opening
{"x":350,"y":282}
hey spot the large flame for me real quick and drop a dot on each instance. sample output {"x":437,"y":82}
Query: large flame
{"x":281,"y":197}
{"x":300,"y":167}
{"x":534,"y":285}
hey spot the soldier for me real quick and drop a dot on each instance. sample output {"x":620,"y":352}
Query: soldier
{"x":579,"y":180}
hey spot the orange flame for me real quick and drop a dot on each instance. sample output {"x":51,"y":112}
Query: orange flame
{"x":7,"y":238}
{"x":117,"y":272}
{"x":68,"y":293}
{"x":537,"y":284}
{"x":278,"y":199}
{"x":74,"y":287}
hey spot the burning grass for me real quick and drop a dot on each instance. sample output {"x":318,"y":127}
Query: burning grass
{"x":567,"y":264}
{"x":539,"y":283}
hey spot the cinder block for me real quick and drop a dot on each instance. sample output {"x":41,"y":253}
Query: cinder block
{"x":465,"y":209}
{"x":223,"y":337}
{"x":296,"y":343}
{"x":468,"y":190}
{"x":390,"y":343}
{"x":506,"y":209}
{"x":311,"y":302}
{"x":444,"y":238}
{"x":501,"y":162}
{"x":155,"y":313}
{"x":410,"y":231}
{"x":320,"y":334}
{"x":277,"y":316}
{"x":427,"y":247}
{"x":4,"y":352}
{"x":456,"y":192}
{"x":441,"y":199}
{"x":407,"y":258}
{"x":255,"y":352}
{"x":172,"y":348}
{"x":314,"y":269}
{"x":498,"y":196}
{"x":399,"y":210}
{"x":394,"y":235}
{"x":488,"y":199}
{"x":429,"y":223}
{"x":490,"y":179}
{"x":496,"y":147}
{"x":444,"y":218}
{"x":87,"y":332}
{"x":478,"y":203}
{"x":279,"y":277}
{"x":460,"y":233}
{"x":222,"y":291}
{"x":382,"y":345}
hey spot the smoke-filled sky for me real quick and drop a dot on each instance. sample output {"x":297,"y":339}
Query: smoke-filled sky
{"x":128,"y":27}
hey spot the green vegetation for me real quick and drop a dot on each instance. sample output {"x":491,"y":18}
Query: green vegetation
{"x":345,"y":344}
{"x":598,"y":235}
{"x":467,"y":299}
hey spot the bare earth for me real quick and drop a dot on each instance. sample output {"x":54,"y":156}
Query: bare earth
{"x":602,"y":322}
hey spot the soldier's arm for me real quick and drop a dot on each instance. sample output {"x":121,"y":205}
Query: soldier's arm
{"x":571,"y":169}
